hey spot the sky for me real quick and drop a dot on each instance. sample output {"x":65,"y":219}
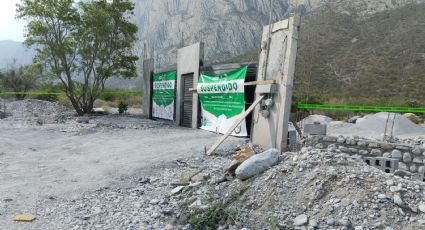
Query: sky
{"x":10,"y":28}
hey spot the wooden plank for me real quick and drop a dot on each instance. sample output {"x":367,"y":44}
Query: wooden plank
{"x":294,"y":123}
{"x":244,"y":115}
{"x":265,"y":82}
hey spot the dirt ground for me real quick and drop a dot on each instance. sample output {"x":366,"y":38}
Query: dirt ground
{"x":40,"y":163}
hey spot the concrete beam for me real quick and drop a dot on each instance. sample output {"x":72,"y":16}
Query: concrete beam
{"x":277,"y":62}
{"x":188,"y":61}
{"x":148,"y":67}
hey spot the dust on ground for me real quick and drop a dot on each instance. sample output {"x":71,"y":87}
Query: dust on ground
{"x":46,"y":152}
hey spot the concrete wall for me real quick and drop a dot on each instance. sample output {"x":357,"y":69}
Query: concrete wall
{"x":148,"y":67}
{"x":188,"y":61}
{"x":277,"y":62}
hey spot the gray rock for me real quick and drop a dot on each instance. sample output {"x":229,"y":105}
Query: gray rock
{"x":376,"y":152}
{"x":373,"y":145}
{"x":387,"y":155}
{"x":407,"y":157}
{"x":351,"y":141}
{"x":421,"y":207}
{"x":402,"y":166}
{"x":257,"y":164}
{"x":313,"y":223}
{"x":421,"y":169}
{"x":417,"y":151}
{"x":330,"y":221}
{"x":341,"y":140}
{"x":330,"y":139}
{"x":362,"y":143}
{"x":396,"y":154}
{"x":402,"y":147}
{"x":397,"y":200}
{"x":413,"y":168}
{"x":301,"y":220}
{"x":363,"y":152}
{"x":418,"y":160}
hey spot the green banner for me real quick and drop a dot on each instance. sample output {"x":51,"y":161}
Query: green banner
{"x":222,"y":98}
{"x":164,"y":91}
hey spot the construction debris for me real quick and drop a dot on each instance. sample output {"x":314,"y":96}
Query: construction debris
{"x":24,"y":218}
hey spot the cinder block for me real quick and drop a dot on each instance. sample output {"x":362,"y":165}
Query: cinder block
{"x":315,"y":129}
{"x":368,"y":160}
{"x":378,"y":162}
{"x":388,"y":165}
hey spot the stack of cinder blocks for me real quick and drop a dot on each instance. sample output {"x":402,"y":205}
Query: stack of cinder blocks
{"x":388,"y":165}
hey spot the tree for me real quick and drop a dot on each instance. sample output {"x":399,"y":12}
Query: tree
{"x":21,"y":78}
{"x":82,"y":44}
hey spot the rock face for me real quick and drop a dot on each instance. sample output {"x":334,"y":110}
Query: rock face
{"x":257,"y":164}
{"x":227,"y":27}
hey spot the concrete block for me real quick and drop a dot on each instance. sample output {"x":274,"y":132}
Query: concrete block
{"x":368,"y":160}
{"x":315,"y":129}
{"x":266,"y":89}
{"x":330,"y":139}
{"x":389,"y":165}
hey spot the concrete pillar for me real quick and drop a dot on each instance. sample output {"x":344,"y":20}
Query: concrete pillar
{"x":148,"y":67}
{"x":188,"y":61}
{"x":277,"y":62}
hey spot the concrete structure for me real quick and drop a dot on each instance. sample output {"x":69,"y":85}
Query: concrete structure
{"x":277,"y":62}
{"x":189,"y":59}
{"x":376,"y":154}
{"x":148,"y":68}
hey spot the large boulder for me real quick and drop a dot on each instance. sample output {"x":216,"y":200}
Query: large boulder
{"x":257,"y":164}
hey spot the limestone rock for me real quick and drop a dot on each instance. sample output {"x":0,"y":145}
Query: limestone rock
{"x":397,"y":200}
{"x":407,"y":157}
{"x":396,"y":154}
{"x":257,"y":164}
{"x":417,"y":151}
{"x":301,"y":220}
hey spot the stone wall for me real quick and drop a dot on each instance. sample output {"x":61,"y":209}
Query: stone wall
{"x":401,"y":159}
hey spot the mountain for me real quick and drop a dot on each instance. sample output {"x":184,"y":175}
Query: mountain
{"x":350,"y":51}
{"x":14,"y":50}
{"x":346,"y":58}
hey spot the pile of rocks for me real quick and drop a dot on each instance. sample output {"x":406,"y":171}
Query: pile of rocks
{"x":312,"y":189}
{"x":409,"y":158}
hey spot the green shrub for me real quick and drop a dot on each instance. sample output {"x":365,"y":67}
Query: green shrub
{"x":209,"y":218}
{"x":122,"y":107}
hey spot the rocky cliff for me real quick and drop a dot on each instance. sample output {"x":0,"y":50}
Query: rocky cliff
{"x":227,"y":27}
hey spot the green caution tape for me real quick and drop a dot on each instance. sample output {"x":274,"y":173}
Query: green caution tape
{"x":362,"y":108}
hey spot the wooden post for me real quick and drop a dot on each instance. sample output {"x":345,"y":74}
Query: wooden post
{"x":244,"y":115}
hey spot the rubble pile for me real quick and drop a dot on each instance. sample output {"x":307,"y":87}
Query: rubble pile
{"x":312,"y":189}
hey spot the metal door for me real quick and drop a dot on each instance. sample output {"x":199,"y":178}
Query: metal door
{"x":187,"y":100}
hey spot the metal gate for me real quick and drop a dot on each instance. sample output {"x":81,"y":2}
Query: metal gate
{"x":187,"y":100}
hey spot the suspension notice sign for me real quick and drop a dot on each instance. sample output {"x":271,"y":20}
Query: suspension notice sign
{"x":163,"y":95}
{"x":222,"y":98}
